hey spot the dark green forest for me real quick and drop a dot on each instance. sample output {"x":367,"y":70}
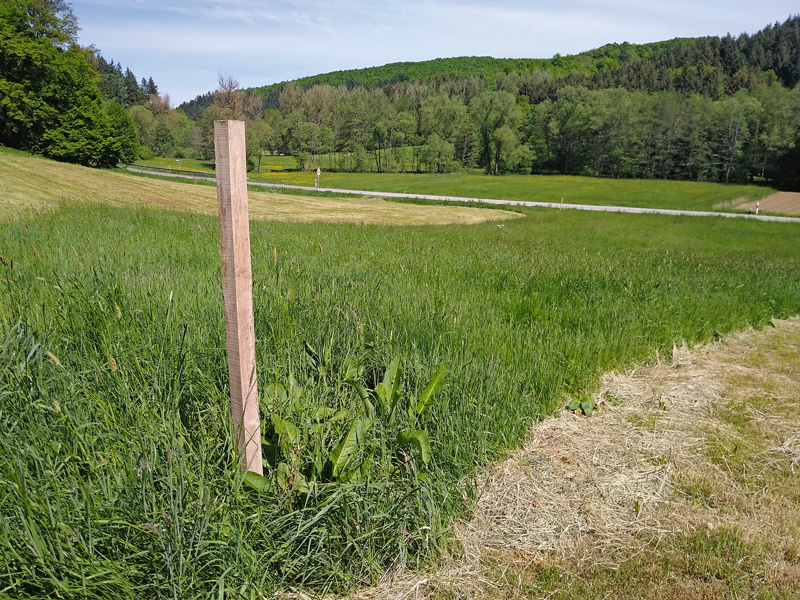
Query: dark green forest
{"x":707,"y":109}
{"x":57,"y":98}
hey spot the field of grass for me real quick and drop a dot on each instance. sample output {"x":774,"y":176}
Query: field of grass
{"x":268,"y":163}
{"x":676,"y":195}
{"x":721,"y":517}
{"x":189,"y":164}
{"x":116,"y":456}
{"x":34,"y":184}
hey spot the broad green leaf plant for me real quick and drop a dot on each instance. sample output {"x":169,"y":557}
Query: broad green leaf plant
{"x":378,"y":434}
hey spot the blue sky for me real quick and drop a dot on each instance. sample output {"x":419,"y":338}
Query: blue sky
{"x":185,"y":45}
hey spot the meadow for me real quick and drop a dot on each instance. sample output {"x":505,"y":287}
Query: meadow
{"x":116,"y":453}
{"x":189,"y":164}
{"x":30,"y":184}
{"x":676,"y":195}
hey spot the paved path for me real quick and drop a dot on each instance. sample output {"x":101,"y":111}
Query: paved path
{"x":621,"y":209}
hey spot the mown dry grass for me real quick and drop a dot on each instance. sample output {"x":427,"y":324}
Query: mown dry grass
{"x":787,"y":203}
{"x":689,"y":488}
{"x":35,"y":184}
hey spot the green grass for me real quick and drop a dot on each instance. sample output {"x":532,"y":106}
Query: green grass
{"x":118,"y":477}
{"x":268,"y":163}
{"x":640,"y":193}
{"x":706,"y":564}
{"x":189,"y":164}
{"x":678,"y":195}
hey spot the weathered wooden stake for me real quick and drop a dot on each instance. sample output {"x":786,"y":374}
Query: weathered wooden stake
{"x":237,"y":288}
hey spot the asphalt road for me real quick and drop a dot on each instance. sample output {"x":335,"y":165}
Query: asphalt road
{"x":557,"y":205}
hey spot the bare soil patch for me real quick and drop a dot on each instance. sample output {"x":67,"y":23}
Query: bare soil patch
{"x":787,"y":203}
{"x":34,"y":184}
{"x":684,"y":484}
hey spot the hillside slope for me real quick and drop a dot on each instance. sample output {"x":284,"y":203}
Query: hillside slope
{"x":700,"y":65}
{"x":36,"y":184}
{"x":607,"y":57}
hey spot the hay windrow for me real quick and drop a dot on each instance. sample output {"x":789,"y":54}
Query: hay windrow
{"x":594,"y":491}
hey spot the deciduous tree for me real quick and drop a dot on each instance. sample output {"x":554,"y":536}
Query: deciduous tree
{"x":49,"y":101}
{"x":123,"y":131}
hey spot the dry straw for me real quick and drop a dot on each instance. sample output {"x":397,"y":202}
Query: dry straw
{"x":596,"y":490}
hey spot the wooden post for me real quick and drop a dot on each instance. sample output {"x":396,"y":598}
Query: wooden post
{"x":237,"y":289}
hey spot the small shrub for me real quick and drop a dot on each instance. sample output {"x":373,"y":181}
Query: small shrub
{"x":145,"y":153}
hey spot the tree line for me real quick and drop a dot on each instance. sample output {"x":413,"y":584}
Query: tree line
{"x":57,"y":98}
{"x":712,"y":109}
{"x":751,"y":134}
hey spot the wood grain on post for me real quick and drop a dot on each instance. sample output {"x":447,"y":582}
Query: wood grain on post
{"x":237,"y":288}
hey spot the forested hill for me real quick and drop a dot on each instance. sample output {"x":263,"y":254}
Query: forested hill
{"x":601,"y":59}
{"x":708,"y":66}
{"x":488,"y":67}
